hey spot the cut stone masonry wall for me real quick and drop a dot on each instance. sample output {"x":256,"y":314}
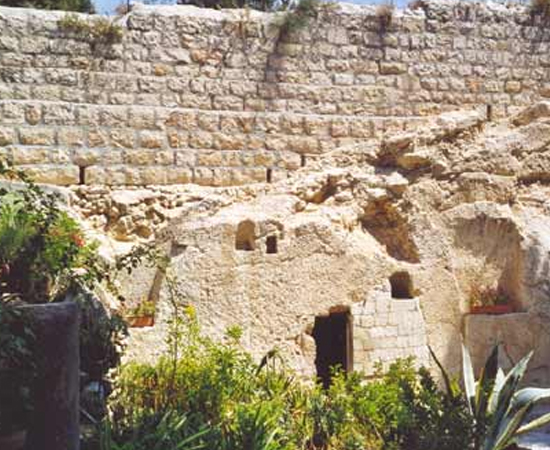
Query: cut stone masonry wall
{"x":223,"y":97}
{"x":385,"y":329}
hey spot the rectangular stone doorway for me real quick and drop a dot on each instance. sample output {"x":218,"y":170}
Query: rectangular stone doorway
{"x":333,"y":340}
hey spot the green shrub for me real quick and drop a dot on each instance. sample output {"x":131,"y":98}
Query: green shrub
{"x":298,"y":16}
{"x":41,"y":246}
{"x":237,"y":404}
{"x":43,"y":258}
{"x":152,"y":432}
{"x":98,"y":32}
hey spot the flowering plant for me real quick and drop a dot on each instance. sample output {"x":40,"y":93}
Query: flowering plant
{"x":41,"y":246}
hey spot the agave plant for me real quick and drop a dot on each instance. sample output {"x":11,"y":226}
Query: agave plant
{"x":498,"y":406}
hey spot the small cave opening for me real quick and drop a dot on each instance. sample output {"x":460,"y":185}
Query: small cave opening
{"x":333,"y":340}
{"x":246,"y":236}
{"x":271,"y":245}
{"x":269,"y":175}
{"x":401,"y":285}
{"x":302,"y":160}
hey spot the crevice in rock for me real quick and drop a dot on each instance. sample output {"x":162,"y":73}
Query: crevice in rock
{"x":391,"y":230}
{"x":82,"y":175}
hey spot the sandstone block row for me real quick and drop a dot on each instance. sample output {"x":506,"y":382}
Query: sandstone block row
{"x":200,"y":89}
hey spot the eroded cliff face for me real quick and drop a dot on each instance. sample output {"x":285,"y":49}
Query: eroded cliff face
{"x":393,"y":234}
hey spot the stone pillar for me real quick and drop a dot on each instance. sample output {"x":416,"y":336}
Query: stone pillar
{"x":55,"y":424}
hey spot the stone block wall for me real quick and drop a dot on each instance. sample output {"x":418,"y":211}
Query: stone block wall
{"x":385,"y":329}
{"x":518,"y":334}
{"x":225,"y":97}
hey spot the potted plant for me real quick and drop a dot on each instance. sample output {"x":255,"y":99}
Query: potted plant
{"x":17,"y":372}
{"x":142,"y":315}
{"x":489,"y":300}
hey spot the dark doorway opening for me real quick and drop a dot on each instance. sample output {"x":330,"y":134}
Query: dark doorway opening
{"x":333,"y":340}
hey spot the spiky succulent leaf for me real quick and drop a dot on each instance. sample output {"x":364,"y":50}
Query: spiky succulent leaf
{"x":486,"y":383}
{"x":528,"y":395}
{"x":507,"y":429}
{"x":495,"y":395}
{"x":469,"y":379}
{"x":534,"y":424}
{"x":507,"y":392}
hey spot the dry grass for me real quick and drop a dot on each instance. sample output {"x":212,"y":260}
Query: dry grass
{"x":541,"y":7}
{"x":384,"y":14}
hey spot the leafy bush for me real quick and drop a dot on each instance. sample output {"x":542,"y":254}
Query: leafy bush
{"x":152,"y":432}
{"x":262,"y":5}
{"x":102,"y":335}
{"x":231,"y":403}
{"x":43,"y":258}
{"x":41,"y":247}
{"x":100,"y":31}
{"x":298,"y":16}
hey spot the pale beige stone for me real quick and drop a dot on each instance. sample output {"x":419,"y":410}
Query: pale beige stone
{"x":51,"y":174}
{"x":37,"y":136}
{"x":7,"y":136}
{"x":71,"y":137}
{"x":152,"y":139}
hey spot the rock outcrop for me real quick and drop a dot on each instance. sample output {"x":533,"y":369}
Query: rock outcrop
{"x":398,"y":235}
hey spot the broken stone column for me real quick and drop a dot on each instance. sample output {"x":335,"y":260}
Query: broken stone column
{"x":55,"y":424}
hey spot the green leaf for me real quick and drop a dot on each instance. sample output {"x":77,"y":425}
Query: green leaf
{"x":444,"y":374}
{"x":469,"y":379}
{"x":534,"y":424}
{"x":508,"y":428}
{"x":486,"y":383}
{"x":528,"y":395}
{"x":509,"y":388}
{"x":495,"y":395}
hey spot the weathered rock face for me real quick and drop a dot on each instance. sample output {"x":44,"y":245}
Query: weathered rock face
{"x":395,"y":235}
{"x":221,"y":98}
